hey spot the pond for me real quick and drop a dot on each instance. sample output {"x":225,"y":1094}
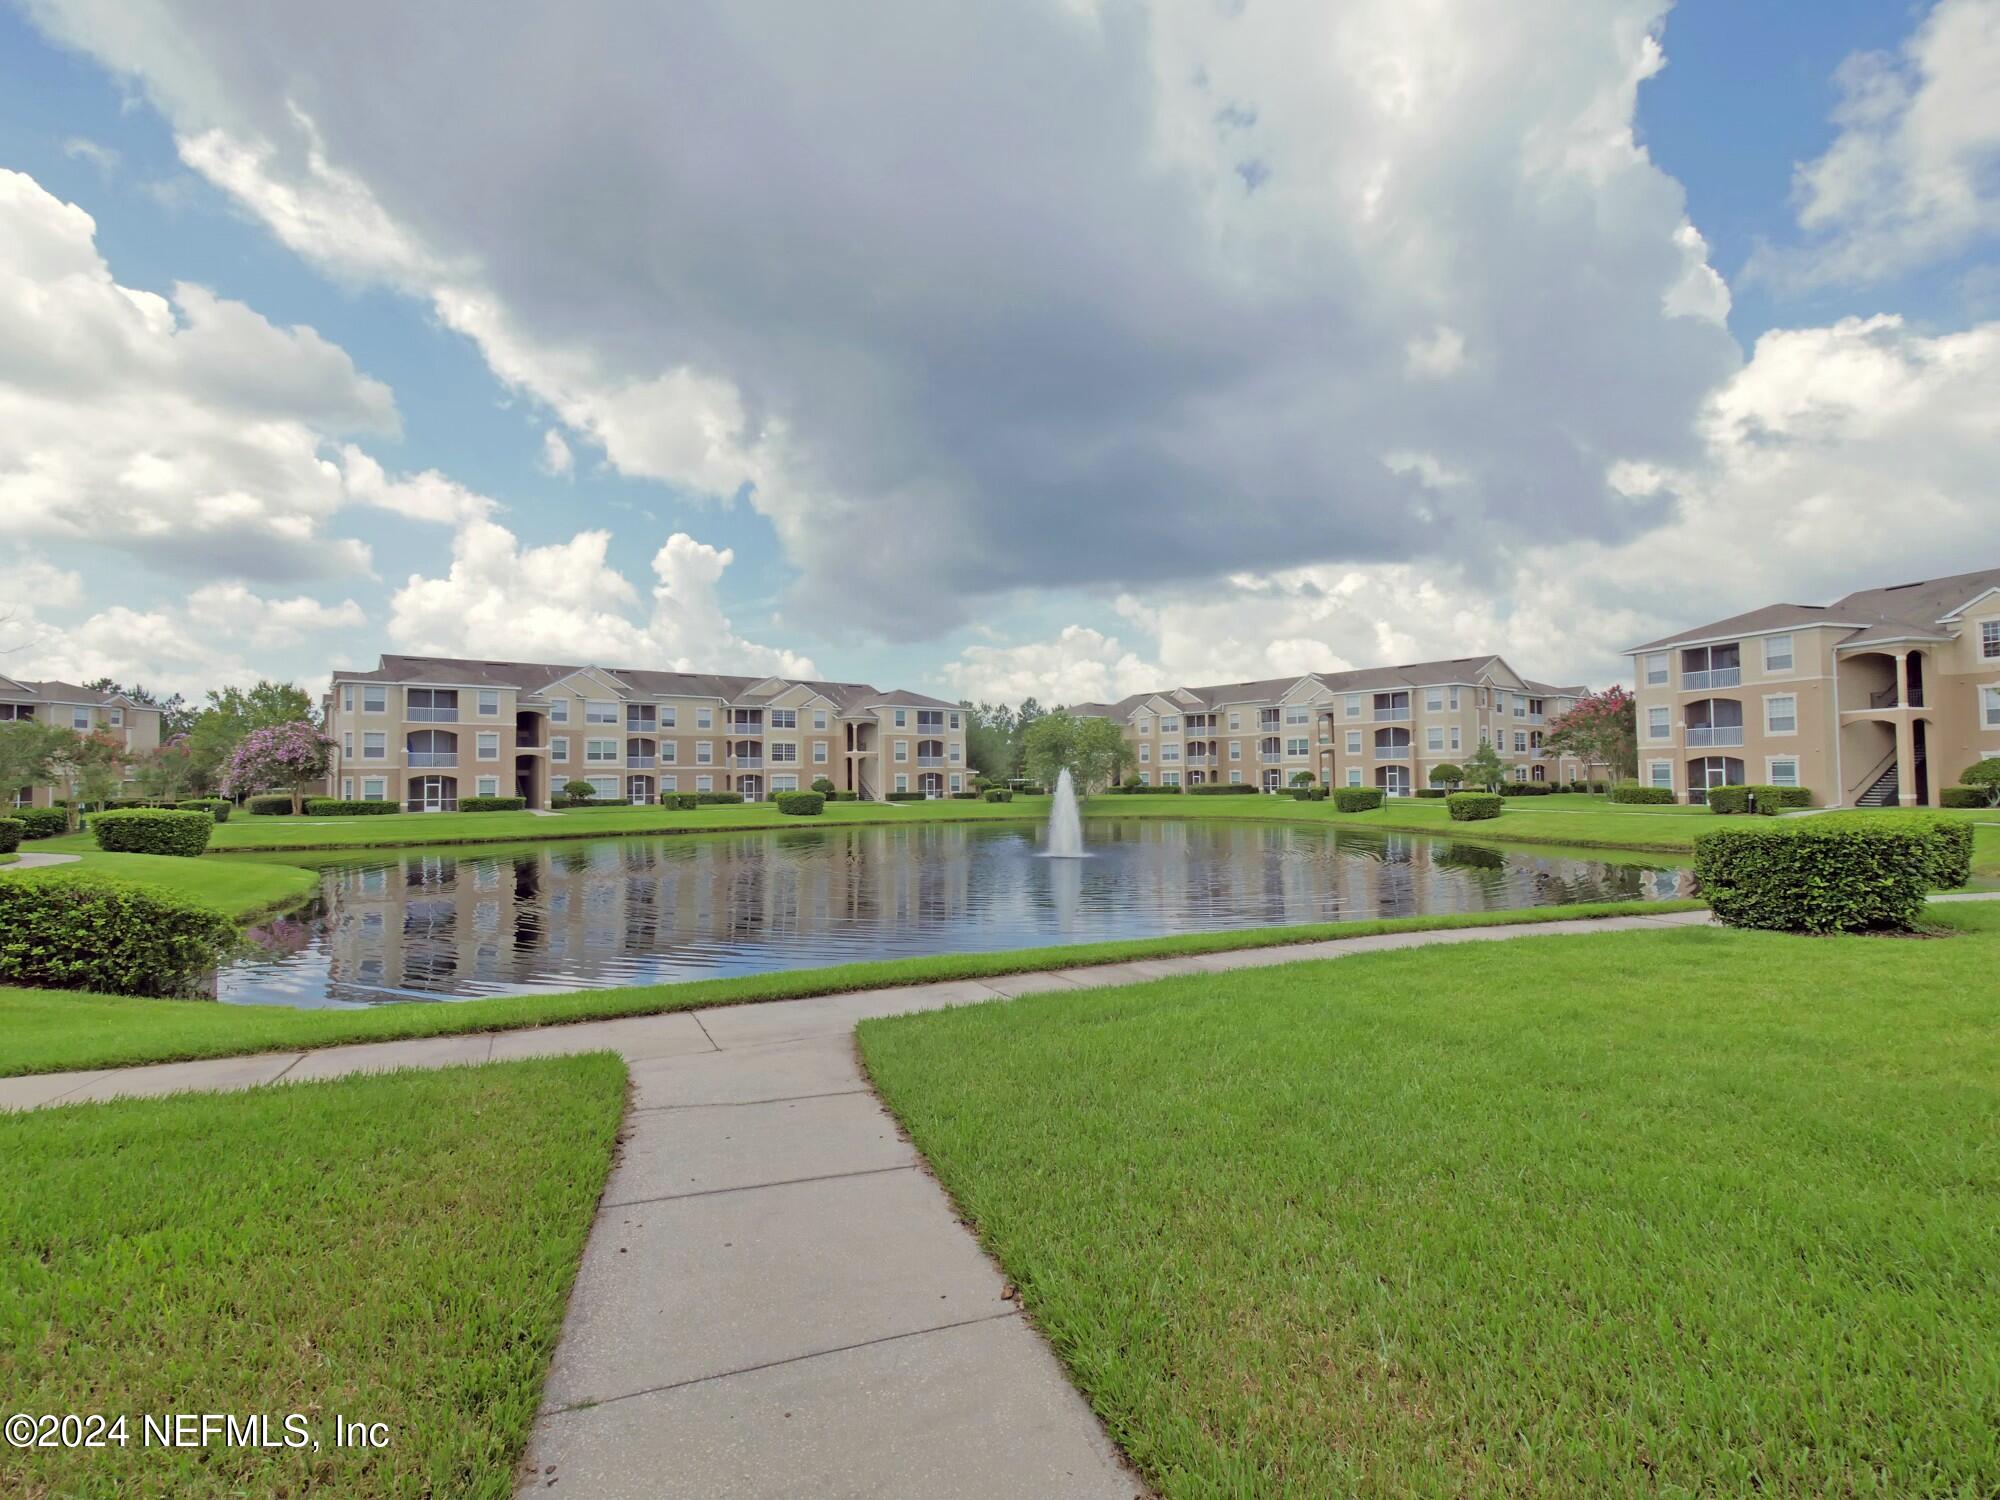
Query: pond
{"x":449,"y":924}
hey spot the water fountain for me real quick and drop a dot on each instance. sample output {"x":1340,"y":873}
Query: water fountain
{"x":1065,"y":825}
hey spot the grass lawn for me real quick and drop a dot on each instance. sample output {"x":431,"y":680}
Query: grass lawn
{"x":393,"y":1249}
{"x":239,"y":887}
{"x":1701,"y":1212}
{"x":45,"y":1031}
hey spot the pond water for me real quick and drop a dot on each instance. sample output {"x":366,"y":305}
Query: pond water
{"x":448,"y":924}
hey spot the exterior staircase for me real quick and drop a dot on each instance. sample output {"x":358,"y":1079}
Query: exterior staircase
{"x":1882,"y":793}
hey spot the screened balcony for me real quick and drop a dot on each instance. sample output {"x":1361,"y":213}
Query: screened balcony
{"x":1714,"y":721}
{"x":1711,"y":667}
{"x":432,"y":747}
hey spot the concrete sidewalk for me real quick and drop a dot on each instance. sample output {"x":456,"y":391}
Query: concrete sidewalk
{"x":776,"y":1299}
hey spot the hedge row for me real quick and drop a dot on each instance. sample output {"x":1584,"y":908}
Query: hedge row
{"x":1771,"y":800}
{"x":1309,"y":794}
{"x":998,"y":794}
{"x":1140,"y":789}
{"x":492,"y":804}
{"x":152,"y":831}
{"x":1357,"y":798}
{"x":1962,"y":796}
{"x":12,"y":831}
{"x":272,"y":805}
{"x":1525,"y":789}
{"x":1473,"y":807}
{"x":905,"y":796}
{"x":1634,"y":791}
{"x":1223,"y":789}
{"x":843,"y":796}
{"x":347,"y":807}
{"x":80,"y":930}
{"x":1432,"y":791}
{"x":40,"y":822}
{"x":1838,"y":873}
{"x":965,"y":796}
{"x":800,"y":804}
{"x":217,"y":808}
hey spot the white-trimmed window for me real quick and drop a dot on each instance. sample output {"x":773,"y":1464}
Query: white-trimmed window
{"x":559,"y":748}
{"x":704,"y":783}
{"x":784,"y":783}
{"x":1781,"y":715}
{"x":1352,"y":707}
{"x":347,"y":788}
{"x":1783,"y":771}
{"x":955,"y":752}
{"x":1656,"y":669}
{"x":489,"y":786}
{"x":117,"y":718}
{"x":784,"y":718}
{"x":784,"y":752}
{"x":1353,"y":742}
{"x":1778,"y":655}
{"x":1298,"y":749}
{"x":902,"y":781}
{"x":1297,"y":713}
{"x":954,"y":725}
{"x":669,"y":752}
{"x":1236,"y":778}
{"x":667,"y":784}
{"x":1520,"y":773}
{"x":902,"y":752}
{"x":1455,"y":736}
{"x":1434,"y":738}
{"x":374,"y":745}
{"x":1169,"y":752}
{"x":704,"y":718}
{"x":819,"y":718}
{"x":347,"y":698}
{"x":558,"y":710}
{"x":1520,"y":742}
{"x":1660,"y":773}
{"x":602,"y":752}
{"x":374,"y":789}
{"x":1236,"y":721}
{"x":1145,"y":778}
{"x":704,"y":752}
{"x":1659,"y":724}
{"x":374,"y":698}
{"x":1434,"y":699}
{"x":819,"y":752}
{"x":347,"y":743}
{"x":1989,"y":639}
{"x":603,"y":786}
{"x":1454,"y":700}
{"x":1354,"y":776}
{"x":1236,"y":749}
{"x":665,"y":715}
{"x":488,"y":745}
{"x":902,"y":722}
{"x":599,"y":711}
{"x":1170,"y":778}
{"x":79,"y":718}
{"x":489,"y":705}
{"x":1990,"y":698}
{"x":1170,"y":725}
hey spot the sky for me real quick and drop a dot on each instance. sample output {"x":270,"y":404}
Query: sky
{"x":1054,"y":347}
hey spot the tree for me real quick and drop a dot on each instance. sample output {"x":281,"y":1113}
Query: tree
{"x":1302,"y":778}
{"x":1029,"y":711}
{"x":28,"y":753}
{"x":1485,"y":768}
{"x":232,"y":713}
{"x":1093,"y":749}
{"x":1444,"y":773}
{"x":1601,"y":730}
{"x":990,"y":738}
{"x":821,"y":784}
{"x":287,"y":756}
{"x":86,"y":767}
{"x":1985,"y":776}
{"x":578,"y":790}
{"x":177,"y":715}
{"x":166,"y":774}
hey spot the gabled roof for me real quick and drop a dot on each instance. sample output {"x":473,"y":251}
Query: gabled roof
{"x":54,"y":691}
{"x":1901,"y":612}
{"x":1272,"y":691}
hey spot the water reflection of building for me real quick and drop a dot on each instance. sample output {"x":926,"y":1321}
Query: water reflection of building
{"x":642,"y":910}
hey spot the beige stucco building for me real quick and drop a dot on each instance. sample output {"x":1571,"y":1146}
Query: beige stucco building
{"x":1381,"y":726}
{"x":82,"y":709}
{"x":1879,"y":698}
{"x":424,"y":731}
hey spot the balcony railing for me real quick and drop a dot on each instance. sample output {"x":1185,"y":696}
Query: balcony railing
{"x":433,"y":757}
{"x":432,"y":715}
{"x":745,"y":731}
{"x":641,"y":762}
{"x":1391,"y":715}
{"x":747,"y":762}
{"x":1392,"y":752}
{"x":1715,"y":677}
{"x":1888,"y":698}
{"x":930,"y":760}
{"x":1720,"y":734}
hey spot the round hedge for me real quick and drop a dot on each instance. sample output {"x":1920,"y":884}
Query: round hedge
{"x":271,"y":805}
{"x":1473,"y":807}
{"x":40,"y":822}
{"x":82,"y":930}
{"x":800,"y":804}
{"x":152,"y":831}
{"x":12,"y":831}
{"x":1357,"y":798}
{"x":216,"y":807}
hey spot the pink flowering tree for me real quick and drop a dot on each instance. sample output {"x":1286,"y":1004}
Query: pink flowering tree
{"x":288,"y":756}
{"x":1601,"y":730}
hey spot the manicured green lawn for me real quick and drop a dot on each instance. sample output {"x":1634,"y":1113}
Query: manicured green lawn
{"x":395,"y":1249}
{"x":1703,"y":1212}
{"x":45,"y":1031}
{"x":240,"y":888}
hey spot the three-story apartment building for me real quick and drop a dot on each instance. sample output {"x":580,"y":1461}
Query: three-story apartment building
{"x":424,"y":731}
{"x":1382,"y":726}
{"x":1879,"y":698}
{"x":81,"y":709}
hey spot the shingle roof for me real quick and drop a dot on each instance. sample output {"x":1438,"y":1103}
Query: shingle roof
{"x":535,"y":677}
{"x":54,"y":691}
{"x":1465,"y":669}
{"x":1903,"y":611}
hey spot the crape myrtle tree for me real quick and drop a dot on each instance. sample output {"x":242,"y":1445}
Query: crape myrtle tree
{"x":1485,"y":768}
{"x":1601,"y":730}
{"x":288,"y":757}
{"x":167,"y":774}
{"x":1093,"y":749}
{"x":231,"y":713}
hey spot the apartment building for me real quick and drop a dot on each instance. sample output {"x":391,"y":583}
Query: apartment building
{"x":1382,"y":726}
{"x":423,"y":731}
{"x":1879,"y":698}
{"x":81,"y":709}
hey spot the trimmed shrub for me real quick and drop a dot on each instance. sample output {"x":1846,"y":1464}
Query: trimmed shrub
{"x":40,"y":822}
{"x":823,"y":785}
{"x":843,"y":796}
{"x":81,"y":930}
{"x":717,"y":799}
{"x":1142,"y":790}
{"x":965,"y":796}
{"x":1357,"y":798}
{"x":12,"y":831}
{"x":800,"y":804}
{"x":1831,"y":874}
{"x":1633,"y":791}
{"x":1962,"y":796}
{"x":1771,"y":800}
{"x":1525,"y":789}
{"x":1473,"y":807}
{"x":337,"y":807}
{"x":1950,"y":839}
{"x":1309,"y":794}
{"x":905,"y":796}
{"x":1432,"y":791}
{"x":998,"y":794}
{"x":275,"y":805}
{"x":1223,"y":789}
{"x":1446,"y":775}
{"x":1032,"y":791}
{"x":149,"y":830}
{"x":492,"y":804}
{"x":217,"y":808}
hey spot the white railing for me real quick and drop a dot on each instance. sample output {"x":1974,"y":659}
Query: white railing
{"x":1715,"y":677}
{"x":1722,"y":734}
{"x":433,"y":757}
{"x":1391,"y":715}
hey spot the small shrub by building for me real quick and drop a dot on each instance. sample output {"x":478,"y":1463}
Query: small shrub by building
{"x":998,"y":794}
{"x":1771,"y":800}
{"x":271,"y":806}
{"x":1357,"y":798}
{"x":492,"y":804}
{"x":843,"y":796}
{"x":1984,"y":779}
{"x":717,"y":799}
{"x":1961,"y":796}
{"x":152,"y":831}
{"x":1223,"y":789}
{"x":40,"y":822}
{"x":800,"y":804}
{"x":12,"y":831}
{"x":905,"y":796}
{"x":1433,"y":791}
{"x":349,"y":807}
{"x":965,"y":796}
{"x":1850,"y":873}
{"x":217,"y":808}
{"x":1638,"y":792}
{"x":1140,"y":789}
{"x":81,"y":930}
{"x":1473,"y":807}
{"x":1309,"y":793}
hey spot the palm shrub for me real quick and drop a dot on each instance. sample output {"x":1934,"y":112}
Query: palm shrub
{"x":82,"y":930}
{"x":152,"y":831}
{"x":1473,"y":807}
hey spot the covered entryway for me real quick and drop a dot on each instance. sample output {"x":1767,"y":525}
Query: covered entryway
{"x":1706,"y":771}
{"x":434,"y":794}
{"x":752,"y":788}
{"x":638,"y":790}
{"x":1395,"y":780}
{"x":931,"y":784}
